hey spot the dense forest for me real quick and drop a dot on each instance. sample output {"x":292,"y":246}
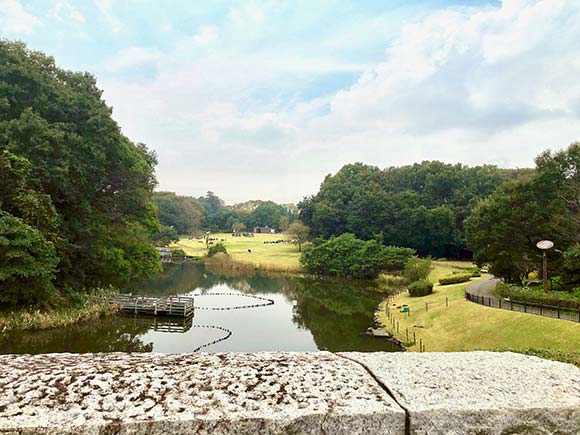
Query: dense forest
{"x":75,"y":193}
{"x":422,"y":206}
{"x":188,"y":215}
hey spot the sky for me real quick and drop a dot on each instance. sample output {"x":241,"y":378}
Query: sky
{"x":262,"y":99}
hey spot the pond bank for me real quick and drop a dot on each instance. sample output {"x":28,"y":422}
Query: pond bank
{"x":26,"y":319}
{"x":445,"y":321}
{"x":308,"y":314}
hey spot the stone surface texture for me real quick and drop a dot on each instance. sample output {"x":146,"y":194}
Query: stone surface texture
{"x":480,"y":392}
{"x":203,"y":393}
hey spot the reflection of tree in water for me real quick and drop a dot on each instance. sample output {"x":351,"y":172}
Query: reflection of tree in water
{"x":111,"y":334}
{"x":186,"y":277}
{"x":337,"y":313}
{"x":175,"y":279}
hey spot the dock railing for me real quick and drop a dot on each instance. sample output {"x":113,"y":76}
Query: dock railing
{"x":179,"y":306}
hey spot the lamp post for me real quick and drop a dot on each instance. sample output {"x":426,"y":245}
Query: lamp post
{"x":544,"y":245}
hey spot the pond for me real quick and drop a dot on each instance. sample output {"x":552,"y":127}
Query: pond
{"x":306,"y":315}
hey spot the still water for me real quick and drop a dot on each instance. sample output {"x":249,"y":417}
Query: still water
{"x":307,"y":315}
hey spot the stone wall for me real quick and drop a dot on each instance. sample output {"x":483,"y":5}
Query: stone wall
{"x":288,"y":393}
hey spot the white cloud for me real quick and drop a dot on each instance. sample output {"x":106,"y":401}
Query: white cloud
{"x":105,"y":7}
{"x":476,"y":85}
{"x":131,"y":57}
{"x":14,"y":19}
{"x":205,"y":36}
{"x":64,"y":11}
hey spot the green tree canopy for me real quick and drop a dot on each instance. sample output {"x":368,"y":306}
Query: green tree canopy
{"x":27,"y":263}
{"x":299,"y":232}
{"x":75,"y":173}
{"x":185,"y":214}
{"x":346,"y":255}
{"x":504,"y":229}
{"x":422,"y":206}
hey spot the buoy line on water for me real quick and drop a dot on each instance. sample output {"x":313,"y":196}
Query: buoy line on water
{"x":228,"y":332}
{"x":210,"y":343}
{"x":236,"y":307}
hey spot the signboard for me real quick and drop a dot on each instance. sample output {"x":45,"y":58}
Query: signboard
{"x":545,"y":244}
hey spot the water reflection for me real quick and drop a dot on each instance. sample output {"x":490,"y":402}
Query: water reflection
{"x":307,"y":314}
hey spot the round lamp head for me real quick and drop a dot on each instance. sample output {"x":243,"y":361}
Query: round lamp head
{"x":545,"y":244}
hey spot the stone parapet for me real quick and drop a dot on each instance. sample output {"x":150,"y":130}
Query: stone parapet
{"x":287,"y":393}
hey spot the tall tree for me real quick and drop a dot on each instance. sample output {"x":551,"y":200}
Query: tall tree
{"x":504,"y":229}
{"x":183,"y":213}
{"x":99,"y":183}
{"x":299,"y":232}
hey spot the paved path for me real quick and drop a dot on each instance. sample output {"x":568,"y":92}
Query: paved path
{"x":483,"y":287}
{"x":481,"y":292}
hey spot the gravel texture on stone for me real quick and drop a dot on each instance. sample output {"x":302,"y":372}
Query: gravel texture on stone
{"x":228,"y":393}
{"x":480,"y":392}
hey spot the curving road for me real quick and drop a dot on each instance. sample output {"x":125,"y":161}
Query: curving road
{"x":483,"y":287}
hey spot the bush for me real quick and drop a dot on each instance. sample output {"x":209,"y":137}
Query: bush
{"x":455,"y":279}
{"x":417,"y":269}
{"x":474,"y":271}
{"x":536,"y":295}
{"x":420,"y":288}
{"x":348,"y":256}
{"x":214,"y":249}
{"x":178,"y":254}
{"x":391,"y":280}
{"x":27,"y":264}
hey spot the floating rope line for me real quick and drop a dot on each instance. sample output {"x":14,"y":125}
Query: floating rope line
{"x":228,"y":333}
{"x":225,"y":337}
{"x":236,"y":307}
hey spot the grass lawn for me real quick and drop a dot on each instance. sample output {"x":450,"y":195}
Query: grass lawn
{"x":468,"y":326}
{"x":278,"y":257}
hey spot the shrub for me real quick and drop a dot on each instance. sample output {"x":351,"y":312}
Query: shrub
{"x":178,"y":254}
{"x":214,"y":249}
{"x":474,"y":272}
{"x":27,"y":263}
{"x":536,"y":295}
{"x":455,"y":279}
{"x":346,"y":255}
{"x":420,"y":288}
{"x":391,"y":280}
{"x":417,"y":269}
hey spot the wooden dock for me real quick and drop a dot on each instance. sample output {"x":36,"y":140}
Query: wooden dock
{"x":161,"y":323}
{"x":178,"y":306}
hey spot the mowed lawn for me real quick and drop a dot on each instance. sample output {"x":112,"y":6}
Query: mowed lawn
{"x":282,"y":256}
{"x":466,"y":326}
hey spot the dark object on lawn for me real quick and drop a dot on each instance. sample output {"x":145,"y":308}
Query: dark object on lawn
{"x":249,"y":250}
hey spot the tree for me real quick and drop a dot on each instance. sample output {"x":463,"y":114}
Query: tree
{"x":348,"y":256}
{"x":504,"y":229}
{"x":213,"y":206}
{"x":28,"y":263}
{"x":417,"y":269}
{"x":165,"y":236}
{"x":183,"y":213}
{"x":214,"y":249}
{"x":238,"y":227}
{"x":18,"y":197}
{"x":81,"y":183}
{"x":299,"y":232}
